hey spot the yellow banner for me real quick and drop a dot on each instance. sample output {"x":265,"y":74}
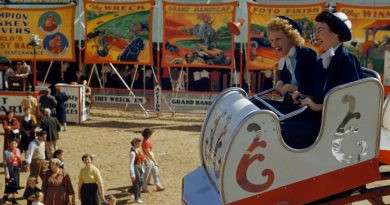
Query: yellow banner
{"x":54,"y":26}
{"x":370,"y":34}
{"x":119,"y":32}
{"x":196,"y":35}
{"x":260,"y":54}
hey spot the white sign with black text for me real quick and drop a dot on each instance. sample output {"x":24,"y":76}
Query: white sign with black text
{"x":119,"y":99}
{"x":11,"y":102}
{"x":75,"y":106}
{"x":191,"y":102}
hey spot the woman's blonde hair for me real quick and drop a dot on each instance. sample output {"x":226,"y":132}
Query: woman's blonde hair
{"x":292,"y":34}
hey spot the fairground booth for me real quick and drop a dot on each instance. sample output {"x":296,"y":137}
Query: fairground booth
{"x":164,"y":56}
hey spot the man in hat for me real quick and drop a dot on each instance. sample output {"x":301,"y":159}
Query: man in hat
{"x":338,"y":67}
{"x":35,"y":159}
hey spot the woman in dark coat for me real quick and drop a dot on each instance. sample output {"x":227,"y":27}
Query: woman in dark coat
{"x":11,"y":125}
{"x":27,"y":125}
{"x":61,"y":98}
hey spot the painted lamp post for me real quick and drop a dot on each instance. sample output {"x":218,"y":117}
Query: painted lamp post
{"x":34,"y":41}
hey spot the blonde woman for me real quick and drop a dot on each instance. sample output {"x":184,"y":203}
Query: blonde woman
{"x":298,"y":62}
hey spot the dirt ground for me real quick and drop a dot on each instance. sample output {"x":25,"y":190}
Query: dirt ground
{"x":107,"y":134}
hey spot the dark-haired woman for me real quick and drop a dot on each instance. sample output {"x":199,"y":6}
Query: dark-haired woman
{"x":90,"y":183}
{"x":339,"y":67}
{"x":27,"y":125}
{"x":11,"y":125}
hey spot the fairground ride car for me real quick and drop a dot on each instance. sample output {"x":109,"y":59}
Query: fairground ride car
{"x":246,"y":161}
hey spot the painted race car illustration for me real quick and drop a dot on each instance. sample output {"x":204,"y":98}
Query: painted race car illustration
{"x":208,"y":56}
{"x":132,"y":51}
{"x":246,"y":161}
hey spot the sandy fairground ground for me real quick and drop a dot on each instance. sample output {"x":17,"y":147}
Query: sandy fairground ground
{"x":107,"y":134}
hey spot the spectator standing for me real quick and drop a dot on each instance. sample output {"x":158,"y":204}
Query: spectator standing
{"x":90,"y":183}
{"x":214,"y":81}
{"x":12,"y":164}
{"x":61,"y":98}
{"x":10,"y":125}
{"x":35,"y":158}
{"x":30,"y":102}
{"x":136,"y":169}
{"x":57,"y":186}
{"x":31,"y":189}
{"x":148,"y":78}
{"x":205,"y":80}
{"x":197,"y":82}
{"x":52,"y":127}
{"x":27,"y":125}
{"x":9,"y":72}
{"x":47,"y":101}
{"x":152,"y":166}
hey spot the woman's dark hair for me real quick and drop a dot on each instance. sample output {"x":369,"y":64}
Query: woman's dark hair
{"x":86,"y":156}
{"x":135,"y":141}
{"x":329,"y":19}
{"x":147,"y":132}
{"x":57,"y":152}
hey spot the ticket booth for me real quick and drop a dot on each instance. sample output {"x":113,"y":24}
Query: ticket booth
{"x":76,"y":110}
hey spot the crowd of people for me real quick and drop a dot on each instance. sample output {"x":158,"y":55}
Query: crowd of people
{"x":37,"y":137}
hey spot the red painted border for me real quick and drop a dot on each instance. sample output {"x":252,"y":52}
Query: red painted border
{"x":384,"y":156}
{"x":318,"y":187}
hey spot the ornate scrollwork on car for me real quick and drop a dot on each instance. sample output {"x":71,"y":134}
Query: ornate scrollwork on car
{"x":348,"y":134}
{"x":217,"y":157}
{"x":209,"y":139}
{"x":248,"y":158}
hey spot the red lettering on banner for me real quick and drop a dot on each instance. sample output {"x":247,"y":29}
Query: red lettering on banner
{"x":246,"y":161}
{"x":376,"y":14}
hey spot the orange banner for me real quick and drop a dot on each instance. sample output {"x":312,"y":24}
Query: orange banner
{"x":119,"y":33}
{"x":196,"y":35}
{"x":54,"y":26}
{"x":260,"y":55}
{"x":370,"y":36}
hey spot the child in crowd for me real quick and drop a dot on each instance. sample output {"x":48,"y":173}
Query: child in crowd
{"x":136,"y":169}
{"x":31,"y":189}
{"x":152,"y":166}
{"x":38,"y":198}
{"x":58,"y":154}
{"x":111,"y":200}
{"x":12,"y":164}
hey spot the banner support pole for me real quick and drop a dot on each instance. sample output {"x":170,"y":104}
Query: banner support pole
{"x":131,"y":92}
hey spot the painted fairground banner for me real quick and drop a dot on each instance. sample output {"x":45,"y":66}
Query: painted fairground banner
{"x":118,"y":32}
{"x":260,"y":54}
{"x":196,"y":35}
{"x":370,"y":36}
{"x":54,"y":26}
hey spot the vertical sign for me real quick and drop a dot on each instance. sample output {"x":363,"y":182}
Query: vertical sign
{"x":157,"y":98}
